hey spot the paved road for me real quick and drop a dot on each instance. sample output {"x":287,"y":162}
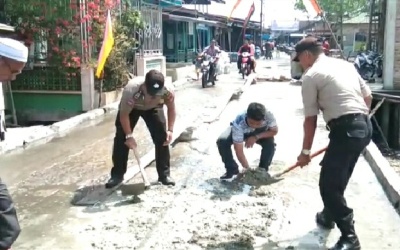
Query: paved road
{"x":43,"y":179}
{"x":200,"y":212}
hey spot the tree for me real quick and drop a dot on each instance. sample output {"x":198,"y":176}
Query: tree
{"x":69,"y":34}
{"x":332,"y":8}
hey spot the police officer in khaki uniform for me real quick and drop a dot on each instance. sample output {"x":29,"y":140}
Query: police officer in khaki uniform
{"x":334,"y":87}
{"x":144,"y":100}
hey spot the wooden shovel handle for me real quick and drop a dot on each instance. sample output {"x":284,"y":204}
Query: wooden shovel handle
{"x":377,"y":106}
{"x":297,"y":165}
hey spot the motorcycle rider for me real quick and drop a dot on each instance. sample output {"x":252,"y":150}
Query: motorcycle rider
{"x":253,"y":48}
{"x":213,"y":51}
{"x":326,"y":46}
{"x":245,"y":48}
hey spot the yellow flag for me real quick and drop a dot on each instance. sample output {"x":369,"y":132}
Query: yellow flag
{"x":234,"y":8}
{"x":106,"y":47}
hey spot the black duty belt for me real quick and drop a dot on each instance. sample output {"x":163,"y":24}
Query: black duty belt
{"x":344,"y":119}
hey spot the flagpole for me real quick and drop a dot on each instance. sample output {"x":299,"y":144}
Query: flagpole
{"x":333,"y":35}
{"x":261,"y":22}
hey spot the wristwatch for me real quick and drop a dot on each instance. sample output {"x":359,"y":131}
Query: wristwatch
{"x":128,"y":136}
{"x":306,"y":152}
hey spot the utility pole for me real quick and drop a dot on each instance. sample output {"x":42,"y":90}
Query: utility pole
{"x":341,"y":24}
{"x":261,"y":22}
{"x":371,"y":19}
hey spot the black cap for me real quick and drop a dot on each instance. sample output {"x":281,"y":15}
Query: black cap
{"x":304,"y":44}
{"x":154,"y":82}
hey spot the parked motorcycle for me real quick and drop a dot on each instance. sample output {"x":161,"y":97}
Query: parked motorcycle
{"x":258,"y":52}
{"x":209,"y":73}
{"x":245,"y":68}
{"x":369,"y":64}
{"x":378,"y":62}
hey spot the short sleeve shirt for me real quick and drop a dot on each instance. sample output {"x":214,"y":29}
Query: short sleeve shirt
{"x":134,"y":98}
{"x":240,"y":126}
{"x":212,"y":51}
{"x":334,"y":87}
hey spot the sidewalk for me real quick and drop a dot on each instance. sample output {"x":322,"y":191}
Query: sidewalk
{"x":18,"y":139}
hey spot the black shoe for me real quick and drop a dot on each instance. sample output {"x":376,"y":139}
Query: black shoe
{"x":229,"y":175}
{"x":349,"y":239}
{"x":348,"y":242}
{"x":167,"y":181}
{"x":323,"y":221}
{"x":265,"y":173}
{"x":113,"y":182}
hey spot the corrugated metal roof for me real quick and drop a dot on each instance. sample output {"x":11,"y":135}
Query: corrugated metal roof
{"x":361,"y":18}
{"x":219,"y":9}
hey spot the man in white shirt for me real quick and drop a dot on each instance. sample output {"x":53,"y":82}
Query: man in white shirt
{"x":334,"y":87}
{"x":13,"y":56}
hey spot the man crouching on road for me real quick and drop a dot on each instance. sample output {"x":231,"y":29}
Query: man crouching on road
{"x":13,"y":56}
{"x":144,"y":100}
{"x":257,"y":125}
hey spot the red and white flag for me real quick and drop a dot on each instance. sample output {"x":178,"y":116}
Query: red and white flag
{"x":312,"y":8}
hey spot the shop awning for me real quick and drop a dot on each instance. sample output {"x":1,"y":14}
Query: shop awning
{"x":191,"y":19}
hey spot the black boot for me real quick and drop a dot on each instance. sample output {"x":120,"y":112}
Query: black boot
{"x":167,"y":181}
{"x":349,"y":239}
{"x":228,"y":176}
{"x":324,"y":220}
{"x":113,"y":182}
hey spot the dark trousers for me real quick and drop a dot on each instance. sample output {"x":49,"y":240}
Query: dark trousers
{"x":225,"y":143}
{"x":155,"y":122}
{"x":9,"y":226}
{"x":349,"y":135}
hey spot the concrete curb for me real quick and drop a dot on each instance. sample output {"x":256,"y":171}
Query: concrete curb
{"x":61,"y":128}
{"x":385,"y":174}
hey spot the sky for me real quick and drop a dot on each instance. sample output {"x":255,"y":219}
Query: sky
{"x":279,"y":10}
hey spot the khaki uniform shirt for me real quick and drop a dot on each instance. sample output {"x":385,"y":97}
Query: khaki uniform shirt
{"x":334,"y":87}
{"x":134,"y":98}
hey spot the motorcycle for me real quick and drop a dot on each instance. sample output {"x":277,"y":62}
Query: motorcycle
{"x":245,"y":68}
{"x":257,"y":52}
{"x":268,"y":54}
{"x":209,"y":73}
{"x":378,"y":62}
{"x":368,"y":64}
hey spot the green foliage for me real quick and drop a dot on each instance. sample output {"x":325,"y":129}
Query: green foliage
{"x":332,"y":8}
{"x":121,"y":59}
{"x":55,"y":27}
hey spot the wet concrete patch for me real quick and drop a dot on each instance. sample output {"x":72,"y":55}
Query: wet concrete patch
{"x":256,"y":177}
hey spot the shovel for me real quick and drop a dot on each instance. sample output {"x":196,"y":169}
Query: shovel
{"x":146,"y":181}
{"x":275,"y":177}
